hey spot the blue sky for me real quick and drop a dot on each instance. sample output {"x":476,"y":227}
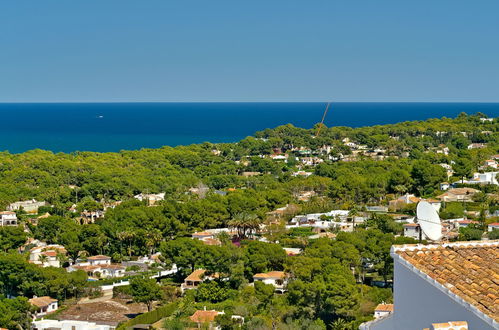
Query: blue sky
{"x":159,"y":50}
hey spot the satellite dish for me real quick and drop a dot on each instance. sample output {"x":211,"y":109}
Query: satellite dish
{"x":429,"y":221}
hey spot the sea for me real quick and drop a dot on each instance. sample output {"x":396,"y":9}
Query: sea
{"x":107,"y":127}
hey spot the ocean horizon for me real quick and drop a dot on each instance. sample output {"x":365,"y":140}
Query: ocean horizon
{"x":111,"y":127}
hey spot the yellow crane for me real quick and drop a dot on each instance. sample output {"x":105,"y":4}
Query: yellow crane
{"x":322,"y":121}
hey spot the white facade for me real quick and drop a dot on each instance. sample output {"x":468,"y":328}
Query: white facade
{"x":30,"y":206}
{"x":99,"y":260}
{"x":46,"y":256}
{"x":8,"y":218}
{"x":485,"y":178}
{"x":68,"y":325}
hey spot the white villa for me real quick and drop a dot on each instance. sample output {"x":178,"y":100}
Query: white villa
{"x":278,"y":279}
{"x":8,"y":218}
{"x":99,"y":266}
{"x":47,"y":255}
{"x":151,"y":199}
{"x":45,"y":305}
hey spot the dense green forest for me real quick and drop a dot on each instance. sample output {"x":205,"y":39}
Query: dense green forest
{"x":327,"y":288}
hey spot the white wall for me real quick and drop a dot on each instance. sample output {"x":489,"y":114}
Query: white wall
{"x":418,"y":304}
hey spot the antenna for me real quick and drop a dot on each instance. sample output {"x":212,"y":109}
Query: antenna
{"x":429,"y":221}
{"x":322,"y":121}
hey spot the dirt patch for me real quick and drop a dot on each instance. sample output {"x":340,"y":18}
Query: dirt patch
{"x":110,"y":312}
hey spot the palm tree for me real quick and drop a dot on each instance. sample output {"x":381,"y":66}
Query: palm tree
{"x":245,"y":224}
{"x":43,"y":259}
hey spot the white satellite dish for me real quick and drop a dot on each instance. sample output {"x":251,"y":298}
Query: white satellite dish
{"x":429,"y":221}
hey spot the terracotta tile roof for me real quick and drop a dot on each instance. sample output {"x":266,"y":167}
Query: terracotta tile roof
{"x":274,"y":274}
{"x":98,"y":257}
{"x":384,"y":308}
{"x":454,"y":325}
{"x":50,"y":253}
{"x":204,"y":316}
{"x":411,"y":225}
{"x":196,"y":275}
{"x":42,"y":301}
{"x":469,"y":270}
{"x":202,"y":233}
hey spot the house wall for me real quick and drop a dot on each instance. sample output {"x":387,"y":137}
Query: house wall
{"x":418,"y":304}
{"x":100,"y":262}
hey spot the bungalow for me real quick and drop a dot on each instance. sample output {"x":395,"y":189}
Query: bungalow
{"x":302,"y":173}
{"x":492,"y":163}
{"x":205,"y":319}
{"x":441,"y":282}
{"x":248,"y":174}
{"x":29,"y":206}
{"x":458,"y":195}
{"x":277,"y":279}
{"x":45,"y":305}
{"x":47,"y":255}
{"x":195,"y":278}
{"x":493,"y":226}
{"x":383,"y":310}
{"x":8,"y":218}
{"x":292,"y":251}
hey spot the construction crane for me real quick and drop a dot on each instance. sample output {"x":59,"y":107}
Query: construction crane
{"x":322,"y":121}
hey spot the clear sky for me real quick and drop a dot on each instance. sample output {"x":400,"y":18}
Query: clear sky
{"x":166,"y":50}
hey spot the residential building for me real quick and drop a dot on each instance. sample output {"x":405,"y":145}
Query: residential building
{"x":152,"y":199}
{"x":402,"y":201}
{"x":458,"y":195}
{"x":477,"y":146}
{"x":204,"y":318}
{"x":484,"y":178}
{"x":8,"y":218}
{"x":278,"y":279}
{"x":302,"y":173}
{"x":440,"y":282}
{"x":45,"y":305}
{"x":29,"y":206}
{"x":69,"y":325}
{"x":195,"y":278}
{"x":47,"y":255}
{"x":383,"y":310}
{"x":444,"y":186}
{"x":465,"y":223}
{"x":413,"y":230}
{"x":248,"y":174}
{"x":493,"y":226}
{"x":452,"y":325}
{"x":492,"y":163}
{"x":99,"y":260}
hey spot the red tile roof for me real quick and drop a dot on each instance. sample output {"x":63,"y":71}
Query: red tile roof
{"x":204,"y":316}
{"x":384,"y":308}
{"x":99,"y":257}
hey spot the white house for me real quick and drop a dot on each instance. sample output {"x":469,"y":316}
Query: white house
{"x":195,"y":278}
{"x":383,"y":310}
{"x":151,"y":199}
{"x":45,"y":305}
{"x":69,"y":325}
{"x":493,"y":226}
{"x":47,"y":255}
{"x":412,"y":230}
{"x":439,"y":283}
{"x":485,"y":178}
{"x":99,"y":260}
{"x":278,"y":279}
{"x":8,"y":218}
{"x":29,"y":206}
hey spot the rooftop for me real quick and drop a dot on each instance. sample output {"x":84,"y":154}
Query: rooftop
{"x":42,"y":301}
{"x":384,"y":308}
{"x":204,"y":316}
{"x":467,"y":271}
{"x":196,"y":275}
{"x":274,"y":274}
{"x":99,"y":257}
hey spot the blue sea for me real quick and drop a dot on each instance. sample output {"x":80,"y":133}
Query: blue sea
{"x":68,"y":127}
